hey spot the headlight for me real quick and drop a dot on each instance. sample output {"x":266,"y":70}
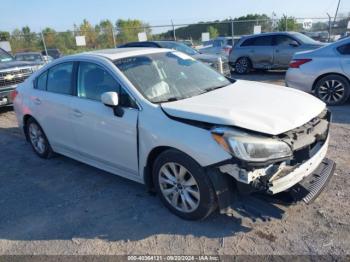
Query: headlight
{"x":252,"y":148}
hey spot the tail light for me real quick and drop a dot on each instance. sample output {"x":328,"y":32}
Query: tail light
{"x":296,"y":63}
{"x":13,"y":94}
{"x":227,"y":50}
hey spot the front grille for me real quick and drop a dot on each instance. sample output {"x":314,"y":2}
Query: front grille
{"x":307,"y":139}
{"x":225,"y":67}
{"x":14,"y":77}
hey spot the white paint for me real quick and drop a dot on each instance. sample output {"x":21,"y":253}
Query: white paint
{"x":307,"y":24}
{"x":80,"y":40}
{"x":257,"y":29}
{"x":142,"y":36}
{"x":205,"y":36}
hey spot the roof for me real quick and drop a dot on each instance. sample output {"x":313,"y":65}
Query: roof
{"x":125,"y":52}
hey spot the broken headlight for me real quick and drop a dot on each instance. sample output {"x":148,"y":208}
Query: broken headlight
{"x":251,"y":148}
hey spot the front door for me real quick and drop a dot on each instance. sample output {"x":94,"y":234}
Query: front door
{"x":104,"y":140}
{"x":284,"y":50}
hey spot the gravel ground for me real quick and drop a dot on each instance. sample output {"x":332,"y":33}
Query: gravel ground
{"x":61,"y":206}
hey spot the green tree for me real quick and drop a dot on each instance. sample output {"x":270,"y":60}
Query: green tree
{"x":213,"y":32}
{"x":105,"y":34}
{"x":288,"y":24}
{"x":87,"y":30}
{"x":128,"y":29}
{"x":4,"y":36}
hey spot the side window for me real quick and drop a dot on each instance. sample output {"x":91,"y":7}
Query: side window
{"x":218,"y":43}
{"x":41,"y":81}
{"x":93,"y":81}
{"x":229,"y":41}
{"x":263,"y":41}
{"x":59,"y":79}
{"x":344,"y":49}
{"x":248,"y":42}
{"x":284,"y":40}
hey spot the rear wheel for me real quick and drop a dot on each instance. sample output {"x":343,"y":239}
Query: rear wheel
{"x":243,"y":65}
{"x":333,"y":89}
{"x":38,"y":139}
{"x":183,"y":186}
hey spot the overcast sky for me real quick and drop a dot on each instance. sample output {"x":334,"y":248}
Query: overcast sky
{"x":62,"y":14}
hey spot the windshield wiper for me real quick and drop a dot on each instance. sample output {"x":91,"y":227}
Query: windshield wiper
{"x":171,"y":99}
{"x":212,"y":88}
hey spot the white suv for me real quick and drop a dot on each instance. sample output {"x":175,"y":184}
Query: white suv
{"x":161,"y":118}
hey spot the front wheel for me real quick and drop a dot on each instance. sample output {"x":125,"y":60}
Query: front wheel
{"x":333,"y":89}
{"x":183,"y":186}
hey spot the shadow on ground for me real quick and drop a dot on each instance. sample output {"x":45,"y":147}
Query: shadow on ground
{"x":64,"y":199}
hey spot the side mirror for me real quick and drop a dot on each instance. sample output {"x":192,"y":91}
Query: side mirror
{"x":294,"y":43}
{"x":111,"y":99}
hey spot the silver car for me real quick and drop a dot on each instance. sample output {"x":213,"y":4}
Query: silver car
{"x":324,"y":72}
{"x":221,"y":45}
{"x":269,"y":50}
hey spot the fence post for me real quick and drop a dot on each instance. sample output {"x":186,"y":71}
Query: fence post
{"x":286,"y":23}
{"x":174,"y":33}
{"x":113,"y":35}
{"x":232,"y":32}
{"x":43,"y":39}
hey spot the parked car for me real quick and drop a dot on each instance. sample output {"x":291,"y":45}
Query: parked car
{"x":53,"y":52}
{"x":324,"y":72}
{"x":269,"y":50}
{"x":35,"y":57}
{"x":220,"y":46}
{"x":218,"y":62}
{"x":12,"y":72}
{"x":163,"y":119}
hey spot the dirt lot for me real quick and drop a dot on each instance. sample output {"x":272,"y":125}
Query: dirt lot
{"x":61,"y":206}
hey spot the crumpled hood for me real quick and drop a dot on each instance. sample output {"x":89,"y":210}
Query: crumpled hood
{"x":260,"y":107}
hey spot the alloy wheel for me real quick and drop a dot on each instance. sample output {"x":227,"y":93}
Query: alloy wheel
{"x":179,"y":187}
{"x":242,"y":66}
{"x":332,"y":91}
{"x":37,"y":138}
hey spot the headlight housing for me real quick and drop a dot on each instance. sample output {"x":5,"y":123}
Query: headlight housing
{"x":251,"y":148}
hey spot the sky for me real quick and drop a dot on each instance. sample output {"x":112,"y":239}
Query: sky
{"x":63,"y":14}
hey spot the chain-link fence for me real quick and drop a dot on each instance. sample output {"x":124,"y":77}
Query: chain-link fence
{"x":74,"y":41}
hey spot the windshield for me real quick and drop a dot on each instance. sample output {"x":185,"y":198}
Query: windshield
{"x":4,"y":57}
{"x":170,"y":76}
{"x":29,"y":57}
{"x":179,"y":47}
{"x":305,"y":39}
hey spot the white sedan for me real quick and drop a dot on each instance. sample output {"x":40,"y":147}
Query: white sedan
{"x":161,"y":118}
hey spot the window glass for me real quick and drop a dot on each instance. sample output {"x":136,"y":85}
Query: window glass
{"x":284,"y":40}
{"x":93,"y":81}
{"x":263,"y":41}
{"x":60,"y":79}
{"x":248,"y":42}
{"x":344,"y":49}
{"x":229,"y":41}
{"x":218,"y":43}
{"x":41,"y":81}
{"x":179,"y":47}
{"x":170,"y":76}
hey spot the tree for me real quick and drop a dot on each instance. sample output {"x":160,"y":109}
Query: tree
{"x":128,"y":29}
{"x":4,"y":36}
{"x":288,"y":24}
{"x":105,"y":34}
{"x":87,"y":30}
{"x":213,"y":32}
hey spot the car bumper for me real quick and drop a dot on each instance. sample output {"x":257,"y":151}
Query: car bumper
{"x":295,"y":78}
{"x":5,"y":96}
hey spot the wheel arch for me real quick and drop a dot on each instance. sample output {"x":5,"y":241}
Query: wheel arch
{"x":325,"y":75}
{"x":26,"y":117}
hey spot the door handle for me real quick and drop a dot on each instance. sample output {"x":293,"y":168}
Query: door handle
{"x":37,"y":101}
{"x":77,"y":113}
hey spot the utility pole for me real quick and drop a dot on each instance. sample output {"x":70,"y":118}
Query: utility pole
{"x":113,"y":35}
{"x":336,"y":12}
{"x":232,"y":31}
{"x":174,"y":33}
{"x":43,"y":39}
{"x":329,"y":27}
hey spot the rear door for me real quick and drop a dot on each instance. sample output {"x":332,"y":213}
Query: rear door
{"x":51,"y":104}
{"x":260,"y":51}
{"x":284,"y":50}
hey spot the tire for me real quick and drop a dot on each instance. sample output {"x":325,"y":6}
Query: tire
{"x":193,"y":191}
{"x":38,"y":139}
{"x":243,"y":65}
{"x":333,"y":89}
